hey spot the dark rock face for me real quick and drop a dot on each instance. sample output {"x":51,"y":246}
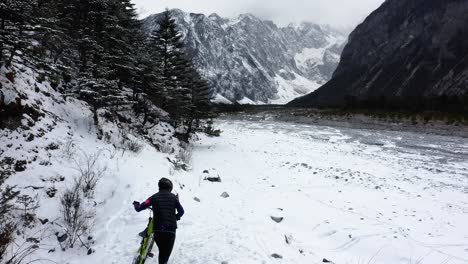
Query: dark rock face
{"x":404,"y":49}
{"x":254,"y":59}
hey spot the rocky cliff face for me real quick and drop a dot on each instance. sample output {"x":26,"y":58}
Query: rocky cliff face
{"x":248,"y":60}
{"x":404,"y":49}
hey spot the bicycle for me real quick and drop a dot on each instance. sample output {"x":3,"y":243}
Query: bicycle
{"x":147,"y":243}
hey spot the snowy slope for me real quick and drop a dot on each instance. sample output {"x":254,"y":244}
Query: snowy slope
{"x":248,"y":58}
{"x":54,"y":142}
{"x":348,"y":196}
{"x":351,"y":196}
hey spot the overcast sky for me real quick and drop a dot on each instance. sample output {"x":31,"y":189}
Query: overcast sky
{"x":338,"y":13}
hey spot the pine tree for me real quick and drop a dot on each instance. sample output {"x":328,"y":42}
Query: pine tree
{"x":145,"y":79}
{"x":165,"y":47}
{"x":185,"y":95}
{"x":199,"y":106}
{"x":15,"y":24}
{"x":175,"y":73}
{"x":102,"y":32}
{"x":97,"y":52}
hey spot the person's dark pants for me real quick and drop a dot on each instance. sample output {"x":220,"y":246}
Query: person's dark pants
{"x":165,"y":242}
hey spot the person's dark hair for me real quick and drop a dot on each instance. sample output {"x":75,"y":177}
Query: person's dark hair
{"x":165,"y":184}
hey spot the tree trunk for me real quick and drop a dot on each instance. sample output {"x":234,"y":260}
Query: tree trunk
{"x":2,"y":28}
{"x":145,"y":115}
{"x":12,"y":55}
{"x":96,"y":121}
{"x":15,"y":48}
{"x":189,"y":130}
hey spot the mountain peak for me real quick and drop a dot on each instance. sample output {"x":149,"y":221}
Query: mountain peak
{"x":411,"y":68}
{"x":176,"y":11}
{"x":248,"y":16}
{"x":247,"y":59}
{"x":215,"y":16}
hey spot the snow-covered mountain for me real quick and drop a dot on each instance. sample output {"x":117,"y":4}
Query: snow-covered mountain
{"x":407,"y":53}
{"x":249,"y":60}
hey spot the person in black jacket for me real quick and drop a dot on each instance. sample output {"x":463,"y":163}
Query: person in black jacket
{"x":164,"y":205}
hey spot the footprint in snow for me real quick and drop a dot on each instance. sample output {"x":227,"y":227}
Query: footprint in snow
{"x":327,"y":234}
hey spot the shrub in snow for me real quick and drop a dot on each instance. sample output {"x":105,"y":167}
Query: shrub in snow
{"x":178,"y":165}
{"x":134,"y":146}
{"x":20,"y":165}
{"x":7,"y":224}
{"x":75,"y":216}
{"x":28,"y":208}
{"x":129,"y":142}
{"x":11,"y":76}
{"x":69,"y":148}
{"x":185,"y":154}
{"x":90,"y":172}
{"x":11,"y":218}
{"x":52,"y":146}
{"x":210,"y":130}
{"x":165,"y":147}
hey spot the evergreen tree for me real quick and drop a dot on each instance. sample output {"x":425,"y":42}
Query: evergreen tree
{"x":15,"y":24}
{"x":166,"y":51}
{"x":178,"y":84}
{"x":102,"y":32}
{"x":199,"y":106}
{"x":96,"y":51}
{"x":145,"y":79}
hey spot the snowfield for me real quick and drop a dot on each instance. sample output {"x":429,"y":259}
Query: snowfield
{"x":344,"y":195}
{"x":349,"y":196}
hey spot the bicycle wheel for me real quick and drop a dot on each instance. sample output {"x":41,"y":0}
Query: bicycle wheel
{"x":148,"y":248}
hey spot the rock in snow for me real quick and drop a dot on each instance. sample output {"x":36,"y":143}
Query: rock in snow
{"x":62,"y":238}
{"x":213,"y":179}
{"x":225,"y":195}
{"x":277,"y":219}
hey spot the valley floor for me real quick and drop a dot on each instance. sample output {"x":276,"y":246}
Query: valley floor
{"x":346,"y":195}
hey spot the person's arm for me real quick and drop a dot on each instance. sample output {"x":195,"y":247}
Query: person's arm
{"x":142,"y":206}
{"x":180,"y":210}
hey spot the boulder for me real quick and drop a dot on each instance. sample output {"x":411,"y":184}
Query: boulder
{"x":277,"y":219}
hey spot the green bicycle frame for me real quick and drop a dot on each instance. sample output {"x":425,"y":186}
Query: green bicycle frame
{"x":146,"y":243}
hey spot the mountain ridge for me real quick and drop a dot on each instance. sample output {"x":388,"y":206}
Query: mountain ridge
{"x":250,"y":60}
{"x":408,"y":54}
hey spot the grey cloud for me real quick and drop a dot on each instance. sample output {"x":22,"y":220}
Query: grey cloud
{"x":338,"y":13}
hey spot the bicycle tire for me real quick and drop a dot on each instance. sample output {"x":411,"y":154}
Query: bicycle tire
{"x":148,"y":248}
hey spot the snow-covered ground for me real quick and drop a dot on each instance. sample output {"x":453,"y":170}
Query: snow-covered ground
{"x":348,"y":196}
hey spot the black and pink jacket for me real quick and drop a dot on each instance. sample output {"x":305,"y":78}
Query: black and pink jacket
{"x":167,"y":210}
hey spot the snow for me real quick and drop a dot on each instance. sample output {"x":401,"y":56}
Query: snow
{"x":248,"y":101}
{"x":346,"y":195}
{"x":291,"y":89}
{"x":315,"y":56}
{"x":310,"y":56}
{"x":351,"y":196}
{"x":68,"y":124}
{"x":247,"y":66}
{"x":219,"y":99}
